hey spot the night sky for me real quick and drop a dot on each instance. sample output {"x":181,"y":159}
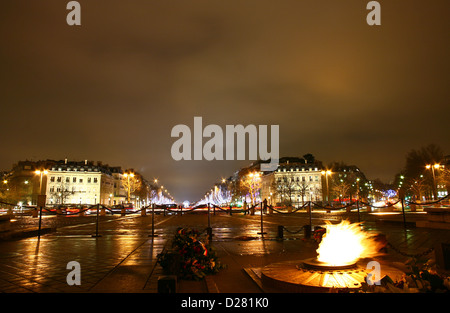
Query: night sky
{"x":111,"y":89}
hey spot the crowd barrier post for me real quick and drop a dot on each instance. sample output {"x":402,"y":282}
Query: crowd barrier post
{"x":153,"y":222}
{"x":96,"y":235}
{"x":357,"y":208}
{"x":403,"y":212}
{"x":262,"y":222}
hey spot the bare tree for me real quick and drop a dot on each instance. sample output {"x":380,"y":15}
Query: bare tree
{"x":60,"y":193}
{"x":419,"y":187}
{"x":302,"y":189}
{"x":130,"y":184}
{"x":285,"y":188}
{"x":252,"y":184}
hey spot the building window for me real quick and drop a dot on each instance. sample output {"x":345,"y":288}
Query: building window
{"x":58,"y":179}
{"x":67,"y":179}
{"x":81,"y":180}
{"x":74,"y":179}
{"x":52,"y":179}
{"x":89,"y":180}
{"x":95,"y":180}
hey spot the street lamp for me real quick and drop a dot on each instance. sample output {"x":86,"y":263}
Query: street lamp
{"x":128,"y":176}
{"x":41,"y":199}
{"x":433,"y":167}
{"x":357,"y":190}
{"x":253,"y":184}
{"x":41,"y":173}
{"x":327,"y":173}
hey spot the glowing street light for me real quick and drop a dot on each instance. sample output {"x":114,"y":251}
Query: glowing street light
{"x":41,"y":199}
{"x":128,"y":176}
{"x":434,"y":167}
{"x":41,"y":173}
{"x":252,"y":183}
{"x":327,"y":173}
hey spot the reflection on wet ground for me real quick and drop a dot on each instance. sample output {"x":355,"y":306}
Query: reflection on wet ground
{"x":124,"y":249}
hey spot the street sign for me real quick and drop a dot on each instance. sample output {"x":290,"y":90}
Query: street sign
{"x":41,"y":200}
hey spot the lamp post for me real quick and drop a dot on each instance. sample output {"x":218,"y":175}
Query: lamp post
{"x":41,"y":199}
{"x":433,"y":167}
{"x":41,"y":173}
{"x":327,"y":173}
{"x":128,"y":176}
{"x":357,"y":188}
{"x":253,"y":183}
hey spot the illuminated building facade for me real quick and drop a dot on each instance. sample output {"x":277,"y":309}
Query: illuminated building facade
{"x":293,"y":183}
{"x":84,"y":183}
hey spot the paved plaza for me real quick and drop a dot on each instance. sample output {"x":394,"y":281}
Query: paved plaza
{"x":123,"y":258}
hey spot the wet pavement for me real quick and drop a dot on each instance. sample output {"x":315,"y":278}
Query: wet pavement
{"x":123,"y":257}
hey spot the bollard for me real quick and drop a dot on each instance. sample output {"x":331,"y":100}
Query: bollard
{"x":262,"y":223}
{"x":167,"y":284}
{"x":357,"y":207}
{"x":209,"y":218}
{"x":280,"y":232}
{"x":310,"y":214}
{"x":96,"y":235}
{"x":403,"y":212}
{"x":153,"y":222}
{"x":144,"y":211}
{"x":231,"y":210}
{"x":209,"y":232}
{"x":307,"y":231}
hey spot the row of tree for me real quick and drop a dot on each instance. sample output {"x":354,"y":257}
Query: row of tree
{"x":426,"y":172}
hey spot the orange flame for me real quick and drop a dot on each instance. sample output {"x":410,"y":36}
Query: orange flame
{"x":345,"y":243}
